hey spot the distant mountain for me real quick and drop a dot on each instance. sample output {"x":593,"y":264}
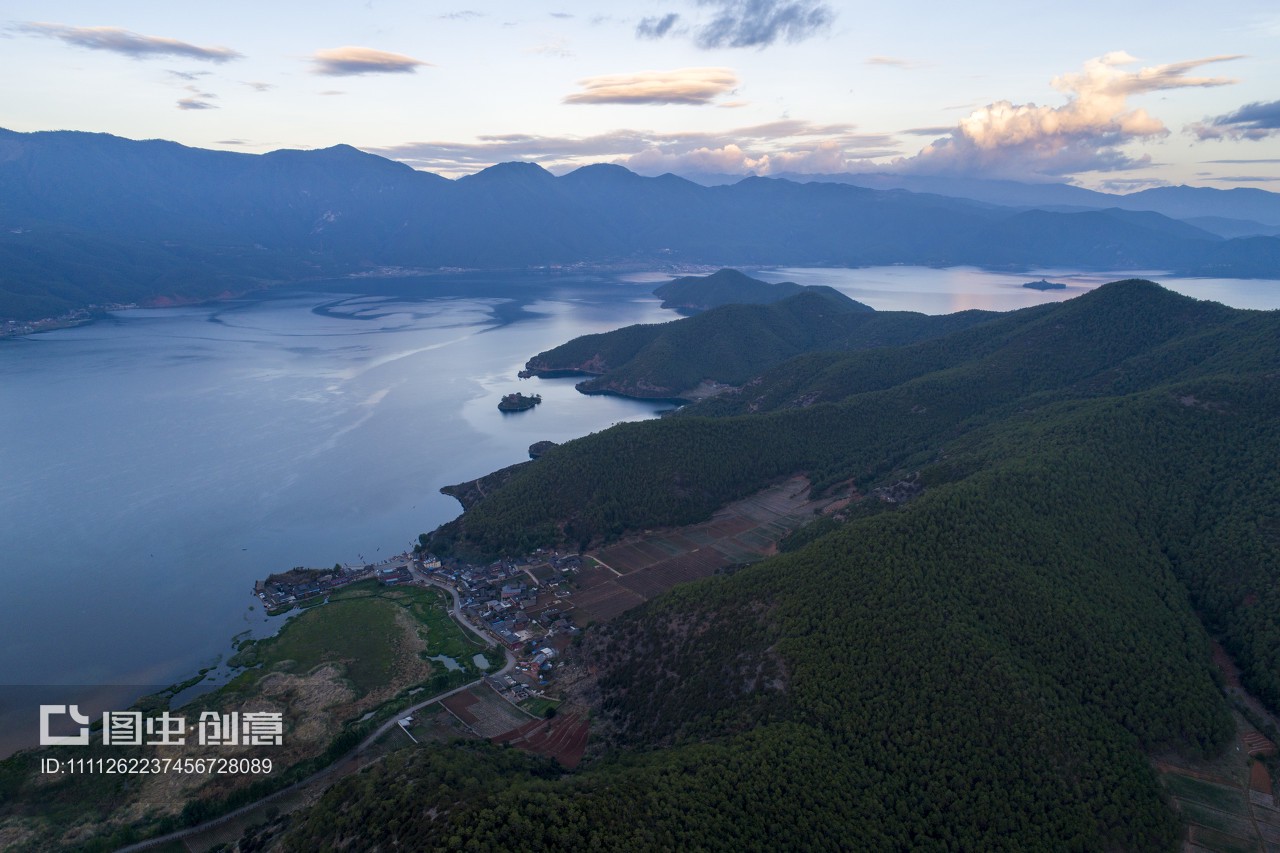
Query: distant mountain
{"x":1258,"y":207}
{"x":91,"y":218}
{"x":693,"y":293}
{"x":1228,"y":227}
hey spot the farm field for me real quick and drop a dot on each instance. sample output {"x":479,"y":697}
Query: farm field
{"x":630,"y":573}
{"x":1219,"y":798}
{"x":563,"y":738}
{"x":484,"y":712}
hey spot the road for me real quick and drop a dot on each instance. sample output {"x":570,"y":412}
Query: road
{"x":456,"y":612}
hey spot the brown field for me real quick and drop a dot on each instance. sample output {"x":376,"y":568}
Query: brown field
{"x":660,"y":577}
{"x":645,"y":567}
{"x":484,"y":712}
{"x":624,"y":558}
{"x":603,"y":602}
{"x":563,"y":738}
{"x":591,"y":576}
{"x":1257,"y":744}
{"x":1259,"y":778}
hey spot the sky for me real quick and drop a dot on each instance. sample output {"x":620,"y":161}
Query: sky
{"x":1112,"y":96}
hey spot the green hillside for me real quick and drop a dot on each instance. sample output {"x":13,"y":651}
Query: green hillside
{"x":693,"y":293}
{"x":730,"y":344}
{"x":858,"y":417}
{"x":985,"y":667}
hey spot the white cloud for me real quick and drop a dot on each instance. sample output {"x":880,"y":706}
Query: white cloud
{"x":198,"y":101}
{"x":124,"y":42}
{"x":1086,"y":133}
{"x":894,"y":62}
{"x":350,"y":61}
{"x":679,"y":86}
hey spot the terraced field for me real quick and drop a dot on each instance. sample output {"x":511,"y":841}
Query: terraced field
{"x":632,"y":572}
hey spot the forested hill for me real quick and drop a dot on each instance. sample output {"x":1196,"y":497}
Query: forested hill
{"x":730,"y":344}
{"x":93,"y":218}
{"x":693,"y":293}
{"x":985,"y":667}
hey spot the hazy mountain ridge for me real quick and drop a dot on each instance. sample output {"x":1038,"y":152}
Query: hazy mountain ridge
{"x":1245,"y":205}
{"x":81,"y":213}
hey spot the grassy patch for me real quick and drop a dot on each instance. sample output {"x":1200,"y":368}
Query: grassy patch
{"x":538,"y":705}
{"x":1210,"y":818}
{"x":358,"y":629}
{"x":1225,"y":799}
{"x":365,"y":641}
{"x":1221,"y":842}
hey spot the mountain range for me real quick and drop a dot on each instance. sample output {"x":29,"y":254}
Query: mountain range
{"x":91,"y":219}
{"x":1236,"y":212}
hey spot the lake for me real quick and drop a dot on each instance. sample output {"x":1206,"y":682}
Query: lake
{"x":157,"y":462}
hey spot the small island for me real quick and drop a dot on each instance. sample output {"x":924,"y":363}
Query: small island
{"x":518,"y":402}
{"x":1045,"y":285}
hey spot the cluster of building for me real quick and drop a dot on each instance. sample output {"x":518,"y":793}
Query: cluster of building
{"x":74,"y":317}
{"x":288,"y":589}
{"x":520,"y":603}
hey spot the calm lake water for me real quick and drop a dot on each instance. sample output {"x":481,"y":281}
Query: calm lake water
{"x":157,"y":463}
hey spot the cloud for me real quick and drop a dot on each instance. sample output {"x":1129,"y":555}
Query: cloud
{"x":259,"y":86}
{"x":893,"y":62}
{"x":463,"y":15}
{"x":656,"y":28}
{"x":788,"y":145}
{"x":1238,"y":162}
{"x":124,"y":42}
{"x":189,"y":75}
{"x":557,"y":47}
{"x":1246,"y":179}
{"x":561,"y":15}
{"x":1087,"y":133}
{"x":350,"y":61}
{"x":331,"y":92}
{"x":1252,"y":121}
{"x":198,"y":101}
{"x":1128,"y":185}
{"x":681,"y":86}
{"x":935,"y":130}
{"x":231,"y":142}
{"x":759,"y":23}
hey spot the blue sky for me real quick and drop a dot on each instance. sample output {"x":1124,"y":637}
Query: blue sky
{"x":1108,"y":95}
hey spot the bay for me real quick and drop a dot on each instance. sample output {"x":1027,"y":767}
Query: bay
{"x":155,"y":464}
{"x":158,"y":462}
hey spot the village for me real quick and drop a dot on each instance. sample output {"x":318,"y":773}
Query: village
{"x":534,"y":605}
{"x":520,"y":605}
